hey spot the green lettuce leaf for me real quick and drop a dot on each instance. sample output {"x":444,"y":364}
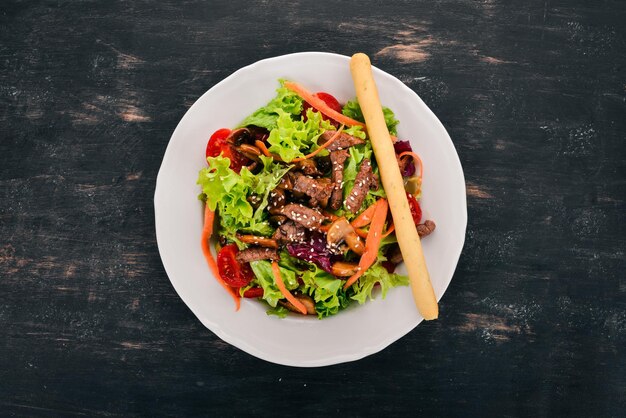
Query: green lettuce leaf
{"x":362,"y":289}
{"x":356,"y":131}
{"x":353,"y":110}
{"x":293,"y":138}
{"x":267,"y":116}
{"x":326,"y":290}
{"x":279,"y":311}
{"x":227,"y":192}
{"x":264,"y":277}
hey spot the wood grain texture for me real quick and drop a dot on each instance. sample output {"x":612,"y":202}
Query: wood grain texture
{"x":533,"y":94}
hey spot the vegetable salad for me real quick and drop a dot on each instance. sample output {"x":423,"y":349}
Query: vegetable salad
{"x":303,"y":220}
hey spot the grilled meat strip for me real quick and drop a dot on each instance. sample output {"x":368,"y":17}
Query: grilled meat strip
{"x":342,"y":142}
{"x":257,"y":253}
{"x":307,"y":217}
{"x":318,"y":189}
{"x":338,"y":159}
{"x":309,"y":167}
{"x":289,"y":232}
{"x":276,"y":200}
{"x":365,"y":179}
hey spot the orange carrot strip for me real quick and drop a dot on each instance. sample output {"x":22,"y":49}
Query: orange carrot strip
{"x":326,"y":144}
{"x":417,"y":159}
{"x":329,"y":215}
{"x":372,"y":242}
{"x":281,"y":286}
{"x":261,"y":145}
{"x":207,"y":231}
{"x":360,"y":232}
{"x":320,"y":105}
{"x":365,"y":217}
{"x":391,"y":228}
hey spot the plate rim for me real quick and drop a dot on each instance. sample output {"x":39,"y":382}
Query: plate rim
{"x":242,"y":344}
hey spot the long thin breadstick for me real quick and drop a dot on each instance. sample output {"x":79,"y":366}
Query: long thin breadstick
{"x":408,"y":239}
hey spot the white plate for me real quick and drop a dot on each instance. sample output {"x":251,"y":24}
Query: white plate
{"x":360,"y":330}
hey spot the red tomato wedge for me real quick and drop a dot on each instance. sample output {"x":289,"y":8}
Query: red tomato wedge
{"x":416,"y":210}
{"x":217,"y":145}
{"x":330,"y":100}
{"x":232,"y":272}
{"x":217,"y":140}
{"x":253,"y":292}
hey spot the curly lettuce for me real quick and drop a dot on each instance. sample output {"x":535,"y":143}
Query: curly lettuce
{"x":292,"y":138}
{"x":376,"y":274}
{"x":265,"y":278}
{"x":227,"y":192}
{"x":267,"y":116}
{"x":353,"y":110}
{"x":326,"y":290}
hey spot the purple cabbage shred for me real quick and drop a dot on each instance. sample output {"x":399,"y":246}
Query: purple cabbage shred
{"x":400,"y":147}
{"x":314,"y":251}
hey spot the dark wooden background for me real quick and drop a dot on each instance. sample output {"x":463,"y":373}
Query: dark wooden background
{"x":533,"y":94}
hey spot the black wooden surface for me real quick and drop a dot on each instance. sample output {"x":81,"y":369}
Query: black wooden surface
{"x":533,"y":94}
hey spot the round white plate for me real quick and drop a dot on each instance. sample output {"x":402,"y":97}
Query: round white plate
{"x":360,"y":330}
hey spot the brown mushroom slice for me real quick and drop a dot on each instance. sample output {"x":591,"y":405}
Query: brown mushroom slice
{"x":306,"y":300}
{"x":344,"y":269}
{"x":256,"y":240}
{"x":239,"y":136}
{"x":250,"y":151}
{"x":341,"y":230}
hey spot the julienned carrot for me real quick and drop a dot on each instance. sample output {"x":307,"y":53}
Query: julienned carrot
{"x":372,"y":242}
{"x":281,"y":286}
{"x":360,"y":232}
{"x":417,"y":159}
{"x":329,"y":215}
{"x":326,"y":144}
{"x":320,"y":105}
{"x":261,"y":145}
{"x":391,"y":228}
{"x":207,"y":231}
{"x":365,"y":217}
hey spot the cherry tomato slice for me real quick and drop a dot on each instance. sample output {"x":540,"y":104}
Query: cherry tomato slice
{"x":416,"y":210}
{"x":237,"y":160}
{"x":217,"y":145}
{"x":253,"y":292}
{"x":232,"y":272}
{"x":214,"y":146}
{"x":329,"y":100}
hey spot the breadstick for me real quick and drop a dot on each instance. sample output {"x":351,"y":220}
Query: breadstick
{"x":406,"y":232}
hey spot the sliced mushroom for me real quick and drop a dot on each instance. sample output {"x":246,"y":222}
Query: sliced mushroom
{"x":306,"y":300}
{"x":344,"y":269}
{"x":341,"y":230}
{"x":355,"y":242}
{"x":249,"y":151}
{"x":256,"y":240}
{"x":239,"y":136}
